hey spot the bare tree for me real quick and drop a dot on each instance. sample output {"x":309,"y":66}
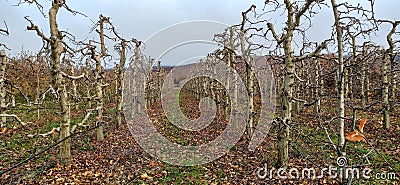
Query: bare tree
{"x":344,"y":19}
{"x":120,"y":81}
{"x":120,"y":71}
{"x":228,"y":40}
{"x":98,"y":75}
{"x":388,"y":59}
{"x":138,"y":79}
{"x":57,"y":48}
{"x":341,"y":83}
{"x":245,"y":48}
{"x":295,"y":12}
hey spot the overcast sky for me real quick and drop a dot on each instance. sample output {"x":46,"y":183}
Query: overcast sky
{"x":141,"y":19}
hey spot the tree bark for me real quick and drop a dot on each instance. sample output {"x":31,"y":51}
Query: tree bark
{"x":88,"y":94}
{"x":292,"y":23}
{"x":74,"y":85}
{"x":393,"y":72}
{"x":388,"y":58}
{"x":385,"y":92}
{"x":58,"y":81}
{"x":120,"y":82}
{"x":250,"y":84}
{"x":318,"y":85}
{"x":3,"y":63}
{"x":362,"y":79}
{"x":341,"y":80}
{"x":98,"y":75}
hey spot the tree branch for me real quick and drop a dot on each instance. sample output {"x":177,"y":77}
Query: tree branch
{"x":36,"y":28}
{"x":16,"y":118}
{"x":316,"y":52}
{"x":73,"y":77}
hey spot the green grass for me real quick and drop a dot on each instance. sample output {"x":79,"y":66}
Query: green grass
{"x":184,"y":175}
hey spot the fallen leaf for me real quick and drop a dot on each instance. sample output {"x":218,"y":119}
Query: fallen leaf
{"x":144,"y":176}
{"x":153,"y":163}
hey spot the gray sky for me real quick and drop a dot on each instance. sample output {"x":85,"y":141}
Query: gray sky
{"x":141,"y":19}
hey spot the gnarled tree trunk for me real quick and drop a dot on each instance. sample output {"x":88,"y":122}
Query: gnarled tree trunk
{"x":58,"y":81}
